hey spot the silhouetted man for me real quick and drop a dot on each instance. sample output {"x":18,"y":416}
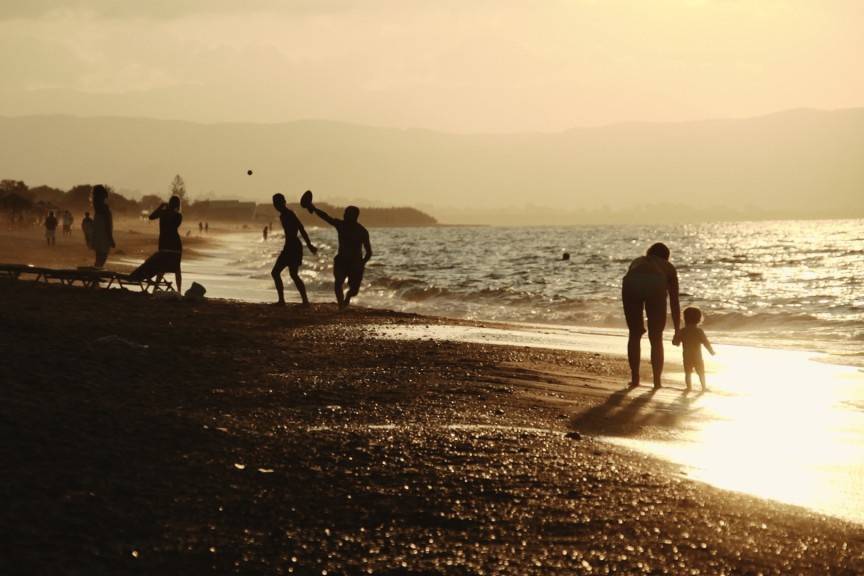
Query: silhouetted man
{"x":292,"y":254}
{"x":350,"y":261}
{"x":51,"y":228}
{"x":87,"y":228}
{"x":643,"y":292}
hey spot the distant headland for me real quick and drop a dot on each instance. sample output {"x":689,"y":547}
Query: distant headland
{"x":22,"y":204}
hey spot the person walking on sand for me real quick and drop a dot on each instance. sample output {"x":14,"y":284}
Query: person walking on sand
{"x":51,"y":229}
{"x":103,"y":226}
{"x":292,"y":253}
{"x":167,"y":258}
{"x":87,"y":229}
{"x":644,"y":287}
{"x":350,"y":261}
{"x":265,"y":233}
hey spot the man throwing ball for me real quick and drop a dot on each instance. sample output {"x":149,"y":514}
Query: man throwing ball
{"x":354,"y":249}
{"x":292,"y":254}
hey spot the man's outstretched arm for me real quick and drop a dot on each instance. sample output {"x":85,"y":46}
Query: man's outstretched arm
{"x":157,"y":212}
{"x":324,"y":216}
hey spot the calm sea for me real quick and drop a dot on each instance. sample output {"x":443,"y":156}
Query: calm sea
{"x":793,"y":284}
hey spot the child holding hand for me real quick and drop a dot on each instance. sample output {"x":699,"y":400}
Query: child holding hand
{"x":692,"y":339}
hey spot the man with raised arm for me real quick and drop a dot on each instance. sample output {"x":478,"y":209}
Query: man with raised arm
{"x":353,"y":253}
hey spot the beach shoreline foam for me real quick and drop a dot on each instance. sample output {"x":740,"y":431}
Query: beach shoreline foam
{"x":171,"y":436}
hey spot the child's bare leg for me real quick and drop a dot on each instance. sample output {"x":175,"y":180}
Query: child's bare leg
{"x":688,"y":370}
{"x":701,"y":371}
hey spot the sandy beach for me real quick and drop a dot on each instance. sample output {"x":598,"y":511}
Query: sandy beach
{"x":136,"y":239}
{"x":155,"y":435}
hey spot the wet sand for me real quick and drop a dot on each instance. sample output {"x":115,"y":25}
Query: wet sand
{"x":153,"y":435}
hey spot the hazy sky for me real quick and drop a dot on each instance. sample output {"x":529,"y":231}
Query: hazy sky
{"x":455,"y":65}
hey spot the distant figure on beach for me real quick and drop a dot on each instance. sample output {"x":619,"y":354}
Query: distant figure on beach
{"x":87,"y":229}
{"x":265,"y":233}
{"x":692,"y":339}
{"x":644,"y":287}
{"x":51,"y":229}
{"x":206,"y":227}
{"x":350,"y":261}
{"x":67,"y":223}
{"x":103,"y":225}
{"x":292,"y":253}
{"x":565,"y":257}
{"x":167,"y":258}
{"x":200,"y":227}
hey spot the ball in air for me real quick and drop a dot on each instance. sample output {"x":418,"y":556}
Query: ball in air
{"x":249,"y":172}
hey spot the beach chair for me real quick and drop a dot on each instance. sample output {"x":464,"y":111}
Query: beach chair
{"x":126,"y":281}
{"x":86,"y":276}
{"x":71,"y":277}
{"x":12,"y":271}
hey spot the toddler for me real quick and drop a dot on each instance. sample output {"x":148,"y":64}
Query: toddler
{"x":692,"y":339}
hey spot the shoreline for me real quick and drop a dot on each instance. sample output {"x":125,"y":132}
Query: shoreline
{"x":171,"y":436}
{"x":237,"y":264}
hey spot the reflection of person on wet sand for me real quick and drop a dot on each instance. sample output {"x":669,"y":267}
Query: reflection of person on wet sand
{"x":167,"y":259}
{"x":292,"y":253}
{"x":692,"y":339}
{"x":644,"y":287}
{"x":350,"y":260}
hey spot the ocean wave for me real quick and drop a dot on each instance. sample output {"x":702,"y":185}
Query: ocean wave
{"x":764,"y":320}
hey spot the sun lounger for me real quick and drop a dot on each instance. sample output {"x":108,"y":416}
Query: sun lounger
{"x":87,"y":277}
{"x":13,"y":271}
{"x":152,"y":285}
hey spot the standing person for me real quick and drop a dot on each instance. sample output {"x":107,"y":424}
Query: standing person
{"x":200,"y":227}
{"x":265,"y":233}
{"x":350,"y":261}
{"x":67,"y":223}
{"x":51,"y":228}
{"x":207,"y":227}
{"x":167,"y":258}
{"x":692,"y":339}
{"x":292,"y":253}
{"x":102,"y":239}
{"x":87,"y":228}
{"x":644,"y":287}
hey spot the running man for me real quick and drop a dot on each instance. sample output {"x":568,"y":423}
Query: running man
{"x":350,"y":260}
{"x":292,"y":254}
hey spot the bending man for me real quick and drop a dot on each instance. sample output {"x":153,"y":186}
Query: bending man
{"x":644,"y":287}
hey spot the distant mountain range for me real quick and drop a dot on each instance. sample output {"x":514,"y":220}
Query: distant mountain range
{"x":802,"y":163}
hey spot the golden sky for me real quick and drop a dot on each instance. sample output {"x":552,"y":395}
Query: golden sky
{"x":453,"y":65}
